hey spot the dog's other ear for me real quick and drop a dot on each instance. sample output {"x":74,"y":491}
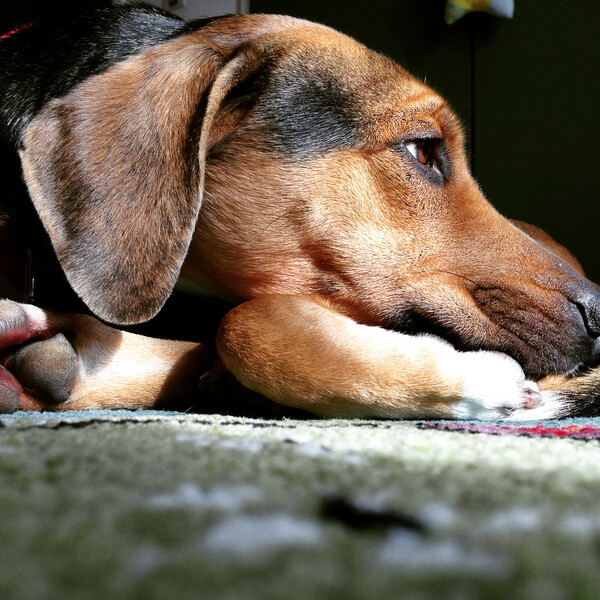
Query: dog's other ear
{"x":540,"y":236}
{"x":115,"y":170}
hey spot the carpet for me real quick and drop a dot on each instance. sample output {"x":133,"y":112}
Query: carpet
{"x":121,"y":504}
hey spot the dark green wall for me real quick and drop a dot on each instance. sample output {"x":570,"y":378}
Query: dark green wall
{"x":537,"y":121}
{"x":527,"y":90}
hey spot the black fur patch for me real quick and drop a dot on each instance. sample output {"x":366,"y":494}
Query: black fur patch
{"x":50,"y":58}
{"x":305,"y":114}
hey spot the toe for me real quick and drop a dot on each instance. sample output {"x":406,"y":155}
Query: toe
{"x":48,"y":368}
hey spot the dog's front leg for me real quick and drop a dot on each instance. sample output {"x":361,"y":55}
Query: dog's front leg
{"x":62,"y":361}
{"x":298,"y":351}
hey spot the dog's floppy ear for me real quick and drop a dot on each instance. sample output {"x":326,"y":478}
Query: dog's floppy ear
{"x":115,"y":170}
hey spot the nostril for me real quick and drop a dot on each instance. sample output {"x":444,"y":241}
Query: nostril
{"x":589,"y":307}
{"x":595,"y":354}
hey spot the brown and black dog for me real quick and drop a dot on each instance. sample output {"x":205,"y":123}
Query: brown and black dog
{"x":281,"y":166}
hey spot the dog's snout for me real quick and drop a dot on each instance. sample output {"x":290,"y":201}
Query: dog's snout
{"x":588,"y":302}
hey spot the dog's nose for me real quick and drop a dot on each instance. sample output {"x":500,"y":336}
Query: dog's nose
{"x":588,"y":302}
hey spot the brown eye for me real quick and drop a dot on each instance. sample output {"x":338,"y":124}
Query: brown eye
{"x":427,"y":153}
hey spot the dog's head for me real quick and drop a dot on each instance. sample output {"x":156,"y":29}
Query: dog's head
{"x":315,"y":166}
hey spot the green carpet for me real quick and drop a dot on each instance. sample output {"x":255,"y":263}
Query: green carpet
{"x":151,"y":505}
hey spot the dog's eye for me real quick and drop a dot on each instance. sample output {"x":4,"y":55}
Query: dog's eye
{"x":427,"y":153}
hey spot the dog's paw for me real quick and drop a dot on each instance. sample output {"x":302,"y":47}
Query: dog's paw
{"x":551,"y":406}
{"x":37,"y":365}
{"x":495,"y":387}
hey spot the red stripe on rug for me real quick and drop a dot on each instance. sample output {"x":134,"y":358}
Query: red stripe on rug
{"x":577,"y":432}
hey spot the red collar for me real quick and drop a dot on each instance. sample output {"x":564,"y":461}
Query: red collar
{"x":15,"y":31}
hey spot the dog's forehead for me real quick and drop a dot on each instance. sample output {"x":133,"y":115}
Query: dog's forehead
{"x":322,"y":54}
{"x":326,"y":91}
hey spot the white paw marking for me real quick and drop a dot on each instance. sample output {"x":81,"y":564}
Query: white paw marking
{"x":495,"y":387}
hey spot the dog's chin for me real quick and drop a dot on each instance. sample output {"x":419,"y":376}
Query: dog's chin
{"x":537,"y":363}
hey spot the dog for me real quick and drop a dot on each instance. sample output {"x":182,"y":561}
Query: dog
{"x":280,"y":166}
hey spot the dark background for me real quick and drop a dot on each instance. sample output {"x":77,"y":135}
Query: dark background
{"x":527,"y":90}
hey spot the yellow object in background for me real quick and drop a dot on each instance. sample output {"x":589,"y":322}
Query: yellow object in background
{"x":455,"y":9}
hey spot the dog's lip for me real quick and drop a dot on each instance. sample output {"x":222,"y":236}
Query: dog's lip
{"x":412,"y":323}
